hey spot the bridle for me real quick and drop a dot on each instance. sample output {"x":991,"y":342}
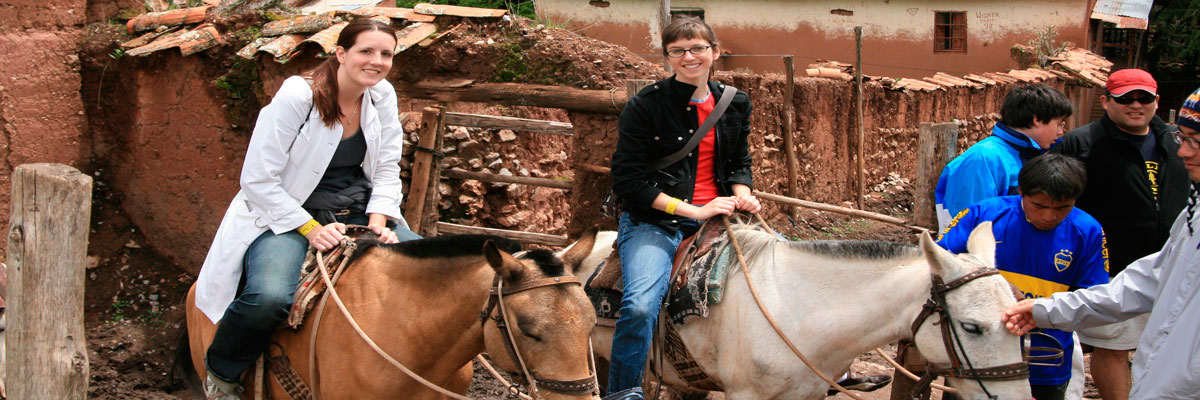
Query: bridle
{"x":937,"y":304}
{"x":574,"y":387}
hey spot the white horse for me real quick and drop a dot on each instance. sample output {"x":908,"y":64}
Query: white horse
{"x":836,"y":301}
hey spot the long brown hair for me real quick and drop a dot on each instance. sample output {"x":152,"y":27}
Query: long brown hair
{"x":324,"y":77}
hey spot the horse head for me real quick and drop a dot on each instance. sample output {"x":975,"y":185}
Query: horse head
{"x":959,"y":331}
{"x":539,"y":320}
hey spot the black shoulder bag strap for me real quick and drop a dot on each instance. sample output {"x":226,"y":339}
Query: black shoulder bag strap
{"x":718,"y":110}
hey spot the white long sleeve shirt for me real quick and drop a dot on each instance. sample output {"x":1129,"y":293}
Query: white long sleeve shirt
{"x":1166,"y":284}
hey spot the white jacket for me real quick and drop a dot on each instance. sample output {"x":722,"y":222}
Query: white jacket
{"x":284,"y":162}
{"x":1166,"y":284}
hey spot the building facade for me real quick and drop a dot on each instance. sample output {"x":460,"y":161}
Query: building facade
{"x":901,"y":38}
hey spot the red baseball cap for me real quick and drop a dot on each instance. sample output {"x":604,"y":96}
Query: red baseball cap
{"x":1127,"y":80}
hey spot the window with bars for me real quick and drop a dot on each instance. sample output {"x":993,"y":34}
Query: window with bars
{"x":950,"y":31}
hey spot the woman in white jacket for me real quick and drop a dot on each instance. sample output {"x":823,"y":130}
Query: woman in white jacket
{"x":325,"y":152}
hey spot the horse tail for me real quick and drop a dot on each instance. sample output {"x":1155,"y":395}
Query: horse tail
{"x":182,"y":362}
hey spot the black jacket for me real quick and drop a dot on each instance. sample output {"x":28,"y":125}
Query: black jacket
{"x":658,"y":122}
{"x":1118,"y":190}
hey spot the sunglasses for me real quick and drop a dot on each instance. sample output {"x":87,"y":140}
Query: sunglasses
{"x":1129,"y":98}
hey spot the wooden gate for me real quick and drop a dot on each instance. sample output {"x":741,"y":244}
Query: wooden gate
{"x":423,"y":196}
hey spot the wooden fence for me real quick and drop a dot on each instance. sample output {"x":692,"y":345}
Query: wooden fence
{"x":423,"y":196}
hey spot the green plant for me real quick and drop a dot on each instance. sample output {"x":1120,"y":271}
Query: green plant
{"x":1039,"y":50}
{"x":119,"y":308}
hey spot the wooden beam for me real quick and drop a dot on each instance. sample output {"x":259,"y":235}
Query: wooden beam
{"x":861,"y":169}
{"x":924,"y":213}
{"x":517,"y":94}
{"x":789,"y":145}
{"x":835,"y":209}
{"x":594,"y":168}
{"x":937,"y":144}
{"x":489,"y":177}
{"x":422,"y":170}
{"x":51,"y":209}
{"x":526,"y":237}
{"x":515,"y":124}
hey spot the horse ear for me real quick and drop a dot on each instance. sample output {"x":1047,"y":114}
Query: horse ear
{"x":941,"y":262}
{"x":982,"y":244}
{"x":505,"y":264}
{"x":579,"y":250}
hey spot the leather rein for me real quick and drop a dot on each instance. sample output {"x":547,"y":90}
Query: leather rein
{"x":495,"y":303}
{"x":937,"y":304}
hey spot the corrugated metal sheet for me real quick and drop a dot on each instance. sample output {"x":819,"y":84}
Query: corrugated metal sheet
{"x":1133,"y":14}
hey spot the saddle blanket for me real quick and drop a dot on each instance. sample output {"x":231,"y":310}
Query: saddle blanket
{"x":700,"y":286}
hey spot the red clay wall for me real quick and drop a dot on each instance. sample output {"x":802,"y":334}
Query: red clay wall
{"x":41,"y":112}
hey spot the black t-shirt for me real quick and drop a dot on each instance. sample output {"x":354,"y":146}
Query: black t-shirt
{"x":1148,"y":144}
{"x":346,"y":166}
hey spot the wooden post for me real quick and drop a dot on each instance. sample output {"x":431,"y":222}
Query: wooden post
{"x":789,"y":144}
{"x":423,"y":167}
{"x":664,"y":19}
{"x":47,"y":243}
{"x":858,"y":79}
{"x":633,"y":86}
{"x":930,"y":162}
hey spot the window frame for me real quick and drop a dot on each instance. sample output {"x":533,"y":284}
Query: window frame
{"x":945,"y":43}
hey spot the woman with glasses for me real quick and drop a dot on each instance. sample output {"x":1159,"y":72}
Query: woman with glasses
{"x":661,"y":207}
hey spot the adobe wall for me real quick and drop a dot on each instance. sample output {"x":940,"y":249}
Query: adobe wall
{"x":168,"y":144}
{"x":825,"y":132}
{"x":41,"y":111}
{"x":900,"y":47}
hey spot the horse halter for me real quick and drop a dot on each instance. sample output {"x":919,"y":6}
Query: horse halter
{"x":937,"y":304}
{"x":575,"y":387}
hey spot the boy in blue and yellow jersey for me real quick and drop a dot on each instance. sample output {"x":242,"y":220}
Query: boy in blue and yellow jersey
{"x":1044,"y":245}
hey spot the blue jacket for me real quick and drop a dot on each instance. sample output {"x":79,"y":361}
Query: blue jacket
{"x":987,"y":169}
{"x":1040,"y":263}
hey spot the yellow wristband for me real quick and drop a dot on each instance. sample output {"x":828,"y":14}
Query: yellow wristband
{"x":671,"y":206}
{"x":308,"y":227}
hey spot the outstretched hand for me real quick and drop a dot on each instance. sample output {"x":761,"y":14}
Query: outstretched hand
{"x":1018,"y":319}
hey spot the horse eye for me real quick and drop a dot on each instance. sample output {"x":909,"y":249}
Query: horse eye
{"x":534,"y":337}
{"x":971,"y":328}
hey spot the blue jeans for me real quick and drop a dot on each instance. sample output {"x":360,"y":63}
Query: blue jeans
{"x":646,"y":252}
{"x":270,"y":275}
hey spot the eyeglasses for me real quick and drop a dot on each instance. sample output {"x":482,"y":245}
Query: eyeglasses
{"x":1181,"y":139}
{"x":1129,"y":98}
{"x":697,"y":50}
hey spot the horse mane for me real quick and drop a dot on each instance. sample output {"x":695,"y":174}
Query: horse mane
{"x":549,"y":263}
{"x":754,"y":244}
{"x":440,"y":246}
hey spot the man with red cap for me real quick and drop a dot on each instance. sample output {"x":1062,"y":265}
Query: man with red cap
{"x":1137,"y":185}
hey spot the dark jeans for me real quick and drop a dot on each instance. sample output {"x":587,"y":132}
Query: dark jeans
{"x":1047,"y":392}
{"x":270,"y":274}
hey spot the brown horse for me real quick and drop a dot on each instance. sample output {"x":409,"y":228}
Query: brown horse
{"x":421,"y":302}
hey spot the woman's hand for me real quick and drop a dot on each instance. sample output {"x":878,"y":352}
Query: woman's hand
{"x":327,"y":237}
{"x":385,"y":235}
{"x":718,"y":206}
{"x":1018,"y":319}
{"x":748,"y":203}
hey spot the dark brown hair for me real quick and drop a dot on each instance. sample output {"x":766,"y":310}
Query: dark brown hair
{"x":324,"y":77}
{"x":1061,"y":177}
{"x":687,"y":27}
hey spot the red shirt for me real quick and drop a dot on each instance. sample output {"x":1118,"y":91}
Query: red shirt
{"x":706,"y":178}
